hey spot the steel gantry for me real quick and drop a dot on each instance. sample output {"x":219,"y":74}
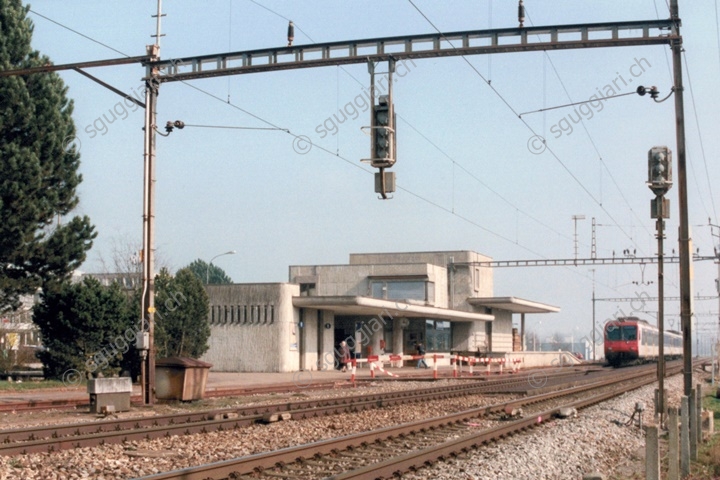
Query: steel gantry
{"x":413,"y":47}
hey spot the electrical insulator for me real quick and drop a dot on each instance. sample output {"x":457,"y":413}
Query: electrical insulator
{"x":291,"y":33}
{"x":521,"y":13}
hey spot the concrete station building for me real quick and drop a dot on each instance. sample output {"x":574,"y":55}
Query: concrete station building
{"x":378,"y":303}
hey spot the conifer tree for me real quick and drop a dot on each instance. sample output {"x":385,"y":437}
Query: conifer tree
{"x":209,"y":273}
{"x":85,"y":328}
{"x":181,"y":320}
{"x":40,"y":242}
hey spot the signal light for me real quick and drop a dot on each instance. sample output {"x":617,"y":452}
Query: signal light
{"x":383,"y":134}
{"x":659,"y":170}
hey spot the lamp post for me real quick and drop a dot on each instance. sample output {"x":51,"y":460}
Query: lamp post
{"x":207,"y":272}
{"x":660,"y":181}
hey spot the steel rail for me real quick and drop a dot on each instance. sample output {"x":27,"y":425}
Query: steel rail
{"x":61,"y":437}
{"x":248,"y":464}
{"x":415,"y":460}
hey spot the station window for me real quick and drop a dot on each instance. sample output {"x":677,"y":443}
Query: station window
{"x":438,"y":335}
{"x":403,"y":290}
{"x":307,"y":289}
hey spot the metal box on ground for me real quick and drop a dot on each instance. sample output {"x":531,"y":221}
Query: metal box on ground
{"x":109,"y":394}
{"x":180,"y":378}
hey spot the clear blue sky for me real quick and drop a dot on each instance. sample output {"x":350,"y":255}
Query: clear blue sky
{"x":469,"y":180}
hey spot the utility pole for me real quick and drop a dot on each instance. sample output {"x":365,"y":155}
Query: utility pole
{"x":575,"y":236}
{"x":715,"y":351}
{"x":593,"y":313}
{"x":684,"y":240}
{"x":152,"y":87}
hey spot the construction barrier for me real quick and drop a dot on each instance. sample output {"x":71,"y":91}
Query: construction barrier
{"x":377,"y":362}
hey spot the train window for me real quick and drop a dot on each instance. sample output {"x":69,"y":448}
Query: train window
{"x":613,"y":333}
{"x":629,"y":333}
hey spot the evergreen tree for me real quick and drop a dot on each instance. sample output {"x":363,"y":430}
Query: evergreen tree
{"x":181,"y":326}
{"x":39,"y":172}
{"x":209,"y":274}
{"x":85,"y":327}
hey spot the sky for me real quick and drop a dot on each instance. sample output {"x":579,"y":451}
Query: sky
{"x":471,"y":176}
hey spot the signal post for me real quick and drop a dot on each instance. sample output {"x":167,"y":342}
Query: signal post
{"x":660,"y":181}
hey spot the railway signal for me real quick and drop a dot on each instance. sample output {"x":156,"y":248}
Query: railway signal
{"x":660,"y":181}
{"x":659,"y":170}
{"x":383,"y":134}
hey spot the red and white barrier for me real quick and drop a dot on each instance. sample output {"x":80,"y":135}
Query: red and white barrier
{"x":375,"y":358}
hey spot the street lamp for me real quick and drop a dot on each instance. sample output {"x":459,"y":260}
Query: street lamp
{"x":207,"y":272}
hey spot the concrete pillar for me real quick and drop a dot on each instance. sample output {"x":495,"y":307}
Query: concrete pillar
{"x":708,"y":422}
{"x":377,"y":335}
{"x":328,"y":357}
{"x":684,"y":436}
{"x":673,"y":445}
{"x":698,"y":414}
{"x":692,"y":425}
{"x":652,"y":458}
{"x":522,"y":332}
{"x":398,"y":331}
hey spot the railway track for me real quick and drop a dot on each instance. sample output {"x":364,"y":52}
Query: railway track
{"x":315,"y":385}
{"x":385,"y":452}
{"x":86,"y":434}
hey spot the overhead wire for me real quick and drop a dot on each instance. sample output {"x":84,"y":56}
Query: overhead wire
{"x":443,"y":152}
{"x":600,"y":156}
{"x":354,"y":164}
{"x":532,"y":130}
{"x":702,"y":146}
{"x":297,"y":136}
{"x":592,"y":140}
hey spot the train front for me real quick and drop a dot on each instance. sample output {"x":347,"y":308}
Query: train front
{"x":621,"y":344}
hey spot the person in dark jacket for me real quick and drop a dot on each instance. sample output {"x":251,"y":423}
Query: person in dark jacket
{"x":421,"y":351}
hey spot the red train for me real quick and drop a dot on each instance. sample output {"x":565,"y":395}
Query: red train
{"x":631,"y":340}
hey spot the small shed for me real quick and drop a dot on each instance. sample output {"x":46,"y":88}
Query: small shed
{"x":180,"y":378}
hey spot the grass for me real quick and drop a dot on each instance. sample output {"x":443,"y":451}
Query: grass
{"x":707,"y":466}
{"x":6,"y":386}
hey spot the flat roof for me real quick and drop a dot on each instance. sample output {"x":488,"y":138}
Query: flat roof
{"x":357,"y":305}
{"x":513,"y":304}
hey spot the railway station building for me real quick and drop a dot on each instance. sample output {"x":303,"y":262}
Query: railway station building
{"x":378,"y":303}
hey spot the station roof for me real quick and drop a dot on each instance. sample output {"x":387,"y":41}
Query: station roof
{"x":358,"y":305}
{"x":513,"y":304}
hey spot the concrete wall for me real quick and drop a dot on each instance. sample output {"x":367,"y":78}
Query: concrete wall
{"x":462,"y":280}
{"x":253,"y":328}
{"x":502,"y":331}
{"x":309,"y":331}
{"x":469,"y":336}
{"x":544,"y":359}
{"x":327,"y":357}
{"x":342,"y":280}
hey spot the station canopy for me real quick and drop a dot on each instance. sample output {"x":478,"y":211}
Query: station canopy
{"x":513,"y":304}
{"x":358,"y":305}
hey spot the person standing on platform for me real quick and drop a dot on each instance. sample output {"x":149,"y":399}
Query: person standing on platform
{"x":344,"y":354}
{"x":421,"y":351}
